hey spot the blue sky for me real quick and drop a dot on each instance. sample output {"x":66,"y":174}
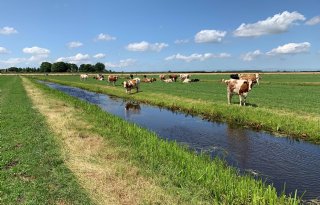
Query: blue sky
{"x":162,"y":35}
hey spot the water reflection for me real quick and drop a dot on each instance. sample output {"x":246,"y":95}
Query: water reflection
{"x":131,"y":108}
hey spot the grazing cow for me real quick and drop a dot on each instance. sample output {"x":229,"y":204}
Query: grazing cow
{"x":253,"y":77}
{"x":162,"y":77}
{"x":113,"y":79}
{"x":130,"y":84}
{"x":84,"y":76}
{"x":169,"y":80}
{"x":184,"y":76}
{"x":238,"y":87}
{"x":173,"y":77}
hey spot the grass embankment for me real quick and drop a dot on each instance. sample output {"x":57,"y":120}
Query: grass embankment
{"x":190,"y":178}
{"x":283,"y":104}
{"x":31,"y":166}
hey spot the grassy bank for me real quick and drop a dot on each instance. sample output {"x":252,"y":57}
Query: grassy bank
{"x":283,"y":104}
{"x":31,"y":166}
{"x":194,"y":179}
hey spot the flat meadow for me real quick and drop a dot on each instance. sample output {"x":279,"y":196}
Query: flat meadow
{"x":283,"y":103}
{"x":58,"y":149}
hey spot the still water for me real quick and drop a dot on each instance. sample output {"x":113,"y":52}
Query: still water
{"x":277,"y":160}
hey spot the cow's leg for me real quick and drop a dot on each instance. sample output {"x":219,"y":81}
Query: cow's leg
{"x":240,"y":99}
{"x":229,"y":95}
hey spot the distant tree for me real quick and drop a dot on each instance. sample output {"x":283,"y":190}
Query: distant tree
{"x":13,"y":69}
{"x":59,"y":67}
{"x":72,"y":67}
{"x":45,"y":67}
{"x":86,"y":68}
{"x":99,"y":67}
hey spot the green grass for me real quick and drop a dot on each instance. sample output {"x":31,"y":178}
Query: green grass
{"x":196,"y":179}
{"x":285,"y":104}
{"x":31,"y":166}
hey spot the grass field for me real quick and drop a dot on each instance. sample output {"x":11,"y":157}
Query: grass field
{"x":118,"y":160}
{"x":31,"y":165}
{"x":282,"y":103}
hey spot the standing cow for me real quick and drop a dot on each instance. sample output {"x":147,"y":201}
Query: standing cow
{"x":238,"y":87}
{"x":84,"y":76}
{"x":131,"y":84}
{"x":113,"y":79}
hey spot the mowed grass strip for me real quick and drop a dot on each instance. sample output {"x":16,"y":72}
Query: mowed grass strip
{"x":102,"y":168}
{"x":31,"y":166}
{"x":283,"y":104}
{"x":189,"y":178}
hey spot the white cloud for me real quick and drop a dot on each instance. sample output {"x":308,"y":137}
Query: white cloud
{"x":121,"y":63}
{"x":99,"y":55}
{"x":145,"y":46}
{"x":279,"y":23}
{"x":74,"y":44}
{"x":33,"y":59}
{"x":8,"y":30}
{"x":3,"y":50}
{"x":181,"y":41}
{"x":291,"y":48}
{"x":209,"y":36}
{"x":36,"y":50}
{"x":77,"y":59}
{"x":197,"y":57}
{"x":251,"y":55}
{"x":105,"y":37}
{"x":315,"y":20}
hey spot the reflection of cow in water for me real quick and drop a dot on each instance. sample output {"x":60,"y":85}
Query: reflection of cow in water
{"x":132,"y":107}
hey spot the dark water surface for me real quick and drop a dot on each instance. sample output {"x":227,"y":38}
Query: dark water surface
{"x":277,"y":160}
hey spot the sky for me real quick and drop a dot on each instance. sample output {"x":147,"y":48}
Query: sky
{"x":162,"y":35}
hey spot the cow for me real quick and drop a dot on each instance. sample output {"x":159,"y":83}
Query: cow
{"x":130,"y":84}
{"x":195,"y":80}
{"x":234,"y":76}
{"x":98,"y":77}
{"x":248,"y":76}
{"x":162,"y":77}
{"x":146,"y":80}
{"x":84,"y":76}
{"x":187,"y":80}
{"x":173,"y":77}
{"x":113,"y":79}
{"x":184,"y":76}
{"x":238,"y":87}
{"x":169,"y":80}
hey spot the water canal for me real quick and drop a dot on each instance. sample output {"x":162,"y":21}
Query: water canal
{"x":277,"y":160}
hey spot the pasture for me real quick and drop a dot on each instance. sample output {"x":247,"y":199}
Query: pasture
{"x":285,"y":104}
{"x":114,"y":161}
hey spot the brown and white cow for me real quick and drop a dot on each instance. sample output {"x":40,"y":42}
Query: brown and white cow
{"x":162,"y":77}
{"x":238,"y":87}
{"x":131,"y":84}
{"x":174,"y":77}
{"x":113,"y":79}
{"x":255,"y":77}
{"x":184,"y":76}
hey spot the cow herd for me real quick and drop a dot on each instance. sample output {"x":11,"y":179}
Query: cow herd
{"x":238,"y":84}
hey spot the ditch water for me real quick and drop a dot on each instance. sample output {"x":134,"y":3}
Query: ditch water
{"x":277,"y":160}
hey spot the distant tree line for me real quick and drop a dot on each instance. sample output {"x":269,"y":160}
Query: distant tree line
{"x":47,"y":67}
